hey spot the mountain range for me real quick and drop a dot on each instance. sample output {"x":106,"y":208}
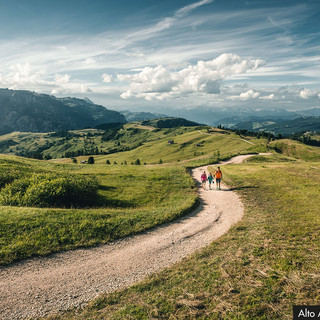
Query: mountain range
{"x":26,"y":111}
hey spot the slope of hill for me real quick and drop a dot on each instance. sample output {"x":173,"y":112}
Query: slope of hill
{"x":72,"y":143}
{"x":29,"y":111}
{"x":126,"y":142}
{"x":263,"y":266}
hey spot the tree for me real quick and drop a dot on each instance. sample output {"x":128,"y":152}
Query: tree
{"x":91,"y":160}
{"x":137,"y":162}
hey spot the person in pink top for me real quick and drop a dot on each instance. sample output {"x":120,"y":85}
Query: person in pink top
{"x":204,"y":180}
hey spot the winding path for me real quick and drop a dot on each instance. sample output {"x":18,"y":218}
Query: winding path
{"x":41,"y":286}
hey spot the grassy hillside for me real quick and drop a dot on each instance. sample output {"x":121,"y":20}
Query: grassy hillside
{"x":186,"y":144}
{"x":258,"y":270}
{"x":132,"y":139}
{"x":296,"y":149}
{"x":73,"y":143}
{"x":265,"y":264}
{"x":131,"y":199}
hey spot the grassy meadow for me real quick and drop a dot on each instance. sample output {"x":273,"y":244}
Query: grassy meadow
{"x":40,"y":212}
{"x":190,"y":145}
{"x":131,"y":199}
{"x":266,"y":263}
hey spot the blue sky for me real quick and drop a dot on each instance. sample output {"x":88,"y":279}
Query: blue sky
{"x":147,"y":54}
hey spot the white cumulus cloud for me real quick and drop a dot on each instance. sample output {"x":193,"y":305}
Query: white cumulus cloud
{"x":106,"y":77}
{"x":269,"y":97}
{"x":249,"y":95}
{"x":204,"y":77}
{"x":308,"y":94}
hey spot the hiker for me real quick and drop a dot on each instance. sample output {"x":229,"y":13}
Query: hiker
{"x":204,"y":180}
{"x":218,"y":176}
{"x":210,"y":179}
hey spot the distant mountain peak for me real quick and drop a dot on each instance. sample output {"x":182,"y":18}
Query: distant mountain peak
{"x":88,"y":100}
{"x":23,"y":110}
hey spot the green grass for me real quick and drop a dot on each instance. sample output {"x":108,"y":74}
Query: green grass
{"x":296,"y":150}
{"x":132,"y":199}
{"x":133,"y":141}
{"x":189,"y":145}
{"x":266,"y":263}
{"x":86,"y":141}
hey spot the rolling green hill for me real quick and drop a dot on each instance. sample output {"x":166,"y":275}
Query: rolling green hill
{"x":265,"y":264}
{"x":119,"y":209}
{"x":133,"y":140}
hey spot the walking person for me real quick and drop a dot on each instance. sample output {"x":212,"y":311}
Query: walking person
{"x":204,"y":180}
{"x":218,"y":176}
{"x":210,"y":179}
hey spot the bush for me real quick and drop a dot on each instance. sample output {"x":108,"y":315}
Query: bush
{"x":91,"y":160}
{"x":49,"y":190}
{"x":7,"y":177}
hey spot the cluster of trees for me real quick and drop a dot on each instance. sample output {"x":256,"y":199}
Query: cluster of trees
{"x":170,"y":123}
{"x":83,"y":152}
{"x":306,"y":139}
{"x":137,"y":162}
{"x":261,"y":134}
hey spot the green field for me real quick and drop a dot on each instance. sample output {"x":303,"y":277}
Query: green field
{"x":195,"y":144}
{"x":131,"y":199}
{"x":265,"y":264}
{"x":133,"y":141}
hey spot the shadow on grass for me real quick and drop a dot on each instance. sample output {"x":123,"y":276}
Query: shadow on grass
{"x":106,"y":188}
{"x":113,"y":203}
{"x":241,"y":188}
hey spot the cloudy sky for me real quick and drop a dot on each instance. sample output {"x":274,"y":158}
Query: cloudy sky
{"x":147,"y":53}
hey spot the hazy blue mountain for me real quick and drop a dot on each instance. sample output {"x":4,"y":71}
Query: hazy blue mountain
{"x":230,"y":116}
{"x":315,"y":112}
{"x":284,"y":127}
{"x":23,"y":110}
{"x":141,"y":116}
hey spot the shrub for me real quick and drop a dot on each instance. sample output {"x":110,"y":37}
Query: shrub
{"x":49,"y":190}
{"x":91,"y":160}
{"x":7,"y":177}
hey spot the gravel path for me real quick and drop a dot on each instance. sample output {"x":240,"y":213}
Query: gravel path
{"x":41,"y":286}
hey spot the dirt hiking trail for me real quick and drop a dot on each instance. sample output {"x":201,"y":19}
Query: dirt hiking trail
{"x":42,"y":286}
